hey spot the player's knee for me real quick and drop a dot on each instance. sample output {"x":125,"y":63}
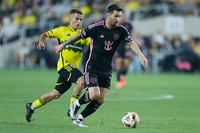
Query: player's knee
{"x":56,"y":95}
{"x":101,"y":100}
{"x":94,"y":96}
{"x":94,"y":93}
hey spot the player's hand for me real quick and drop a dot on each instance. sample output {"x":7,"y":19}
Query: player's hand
{"x":41,"y":45}
{"x":59,"y":48}
{"x":144,"y":62}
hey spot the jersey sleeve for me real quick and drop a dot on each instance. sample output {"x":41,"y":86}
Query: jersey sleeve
{"x":89,"y":31}
{"x":85,"y":33}
{"x":130,"y":27}
{"x":54,"y":33}
{"x":127,"y":37}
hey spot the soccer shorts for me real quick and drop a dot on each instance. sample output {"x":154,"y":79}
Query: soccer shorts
{"x":92,"y":79}
{"x":67,"y":76}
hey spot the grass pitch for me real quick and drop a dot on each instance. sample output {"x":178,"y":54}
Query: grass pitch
{"x":166,"y":103}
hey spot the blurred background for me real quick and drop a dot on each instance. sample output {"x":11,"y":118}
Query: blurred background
{"x":167,"y":31}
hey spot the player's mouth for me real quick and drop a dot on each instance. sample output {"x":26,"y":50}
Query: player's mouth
{"x":117,"y":23}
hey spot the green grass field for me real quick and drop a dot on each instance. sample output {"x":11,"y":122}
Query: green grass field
{"x":166,"y":103}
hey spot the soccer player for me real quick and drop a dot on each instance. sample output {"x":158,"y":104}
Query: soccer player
{"x":123,"y":56}
{"x":68,"y":62}
{"x":106,"y":36}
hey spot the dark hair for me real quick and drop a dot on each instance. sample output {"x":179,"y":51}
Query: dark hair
{"x":113,"y":7}
{"x":76,"y":11}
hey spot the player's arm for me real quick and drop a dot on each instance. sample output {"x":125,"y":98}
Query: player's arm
{"x":41,"y":44}
{"x":137,"y":50}
{"x":71,"y":40}
{"x":131,"y":34}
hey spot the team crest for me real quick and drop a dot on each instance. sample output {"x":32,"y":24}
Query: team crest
{"x":93,"y":80}
{"x":116,"y":36}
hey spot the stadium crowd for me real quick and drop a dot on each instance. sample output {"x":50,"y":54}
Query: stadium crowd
{"x":29,"y":18}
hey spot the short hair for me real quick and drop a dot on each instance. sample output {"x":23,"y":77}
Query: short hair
{"x":113,"y":7}
{"x":75,"y":10}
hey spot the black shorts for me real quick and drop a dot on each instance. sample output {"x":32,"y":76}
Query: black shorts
{"x":67,"y":76}
{"x":93,"y":78}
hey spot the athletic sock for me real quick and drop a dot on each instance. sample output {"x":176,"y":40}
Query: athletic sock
{"x":121,"y":73}
{"x":84,"y":99}
{"x":80,"y":117}
{"x":90,"y":108}
{"x":118,"y":76}
{"x":37,"y":103}
{"x":72,"y":99}
{"x":124,"y":72}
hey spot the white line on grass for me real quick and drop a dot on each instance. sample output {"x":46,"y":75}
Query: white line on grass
{"x":160,"y":97}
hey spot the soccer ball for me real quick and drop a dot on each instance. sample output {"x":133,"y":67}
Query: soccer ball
{"x":130,"y":120}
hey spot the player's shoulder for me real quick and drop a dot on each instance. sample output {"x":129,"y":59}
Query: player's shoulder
{"x":122,"y":27}
{"x":129,"y":22}
{"x":96,"y":24}
{"x":61,"y":27}
{"x":64,"y":27}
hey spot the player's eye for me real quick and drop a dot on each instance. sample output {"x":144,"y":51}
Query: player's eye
{"x":117,"y":16}
{"x":79,"y":19}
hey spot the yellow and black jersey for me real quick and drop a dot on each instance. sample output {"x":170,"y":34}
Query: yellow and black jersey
{"x":72,"y":53}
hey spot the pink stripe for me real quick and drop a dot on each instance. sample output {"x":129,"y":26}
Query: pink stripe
{"x":96,"y":24}
{"x":91,"y":48}
{"x":86,"y":65}
{"x":124,"y":28}
{"x":87,"y":78}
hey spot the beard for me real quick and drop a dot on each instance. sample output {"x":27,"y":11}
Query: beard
{"x":115,"y":24}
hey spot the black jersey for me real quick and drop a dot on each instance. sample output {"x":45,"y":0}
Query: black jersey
{"x":103,"y":45}
{"x":121,"y":49}
{"x":128,"y":26}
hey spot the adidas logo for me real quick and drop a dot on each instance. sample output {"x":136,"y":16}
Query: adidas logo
{"x":101,"y":36}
